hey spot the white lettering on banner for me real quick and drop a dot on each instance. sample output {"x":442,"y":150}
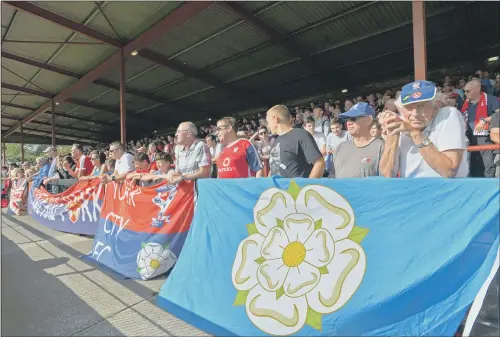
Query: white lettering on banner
{"x":128,"y":194}
{"x":99,"y":253}
{"x":117,"y":222}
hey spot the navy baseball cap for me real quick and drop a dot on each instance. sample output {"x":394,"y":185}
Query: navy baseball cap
{"x":418,"y":91}
{"x":358,"y":110}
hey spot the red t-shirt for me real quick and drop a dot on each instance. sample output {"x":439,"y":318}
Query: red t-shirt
{"x":238,"y":160}
{"x":85,"y":163}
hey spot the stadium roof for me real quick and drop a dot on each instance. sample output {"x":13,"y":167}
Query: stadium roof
{"x":200,"y":60}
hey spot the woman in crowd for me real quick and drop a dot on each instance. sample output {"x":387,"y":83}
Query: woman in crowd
{"x":376,"y":130}
{"x":264,"y":144}
{"x":99,"y":162}
{"x":62,"y":173}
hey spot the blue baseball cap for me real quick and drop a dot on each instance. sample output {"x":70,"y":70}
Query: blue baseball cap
{"x":358,"y":110}
{"x":418,"y":91}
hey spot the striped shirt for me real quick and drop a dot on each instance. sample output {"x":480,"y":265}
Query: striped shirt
{"x":190,"y":160}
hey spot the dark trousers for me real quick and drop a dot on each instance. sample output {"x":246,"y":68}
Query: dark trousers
{"x":481,"y":162}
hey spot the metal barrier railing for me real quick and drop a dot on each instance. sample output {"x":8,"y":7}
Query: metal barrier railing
{"x":488,"y":147}
{"x":60,"y":185}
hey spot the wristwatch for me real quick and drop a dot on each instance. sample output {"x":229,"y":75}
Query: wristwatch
{"x":113,"y":178}
{"x":424,"y":143}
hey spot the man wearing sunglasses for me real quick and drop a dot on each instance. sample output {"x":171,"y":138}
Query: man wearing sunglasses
{"x":358,"y":157}
{"x":427,"y":138}
{"x":239,"y":158}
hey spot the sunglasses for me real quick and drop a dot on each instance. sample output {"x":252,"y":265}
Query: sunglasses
{"x":354,"y":119}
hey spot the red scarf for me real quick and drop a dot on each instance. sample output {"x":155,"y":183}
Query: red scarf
{"x":481,"y":110}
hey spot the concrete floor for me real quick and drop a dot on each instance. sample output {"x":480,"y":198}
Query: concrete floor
{"x":47,"y":290}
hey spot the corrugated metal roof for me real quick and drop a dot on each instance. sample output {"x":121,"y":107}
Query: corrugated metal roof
{"x":35,"y":51}
{"x":255,"y":6}
{"x":184,"y":87}
{"x":73,"y":10}
{"x":22,"y":69}
{"x":270,"y":56}
{"x":150,"y":81}
{"x":82,"y":58}
{"x":29,"y":100}
{"x":32,"y":28}
{"x":236,"y":40}
{"x":206,"y":97}
{"x":202,"y":26}
{"x":139,"y":103}
{"x":53,"y":82}
{"x":91,"y":91}
{"x":130,"y":18}
{"x":7,"y":14}
{"x":111,"y":98}
{"x":293,"y":15}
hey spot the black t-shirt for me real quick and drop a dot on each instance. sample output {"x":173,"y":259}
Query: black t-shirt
{"x":293,"y":154}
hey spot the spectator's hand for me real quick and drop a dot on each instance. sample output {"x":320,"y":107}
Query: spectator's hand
{"x":176,"y":178}
{"x":137,"y":177}
{"x":66,"y":166}
{"x":105,"y":179}
{"x":479,"y":127}
{"x":84,"y":178}
{"x":393,"y":124}
{"x":46,"y":181}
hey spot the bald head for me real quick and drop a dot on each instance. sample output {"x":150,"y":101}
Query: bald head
{"x":281,"y":112}
{"x":473,"y":89}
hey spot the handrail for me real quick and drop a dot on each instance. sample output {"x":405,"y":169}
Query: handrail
{"x":488,"y":147}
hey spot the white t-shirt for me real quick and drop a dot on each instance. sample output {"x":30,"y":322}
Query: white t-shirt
{"x":125,"y":164}
{"x":320,"y":139}
{"x":333,"y":141}
{"x":447,"y":132}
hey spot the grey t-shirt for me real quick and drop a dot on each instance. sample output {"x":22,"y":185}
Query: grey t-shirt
{"x":358,"y":162}
{"x":293,"y":154}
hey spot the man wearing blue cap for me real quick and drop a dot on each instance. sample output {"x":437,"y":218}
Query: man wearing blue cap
{"x":358,"y":157}
{"x":427,"y":138}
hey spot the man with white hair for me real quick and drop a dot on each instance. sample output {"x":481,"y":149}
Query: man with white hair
{"x":192,"y":156}
{"x":427,"y":139}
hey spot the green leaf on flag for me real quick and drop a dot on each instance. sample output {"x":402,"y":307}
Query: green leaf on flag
{"x":138,"y":269}
{"x":280,"y":292}
{"x":314,"y":319}
{"x":143,"y":244}
{"x":260,"y":260}
{"x":241,"y":297}
{"x":358,"y":234}
{"x":323,"y":270}
{"x":166,"y":246}
{"x":318,"y":224}
{"x":293,"y":189}
{"x":280,"y":223}
{"x":252,"y":229}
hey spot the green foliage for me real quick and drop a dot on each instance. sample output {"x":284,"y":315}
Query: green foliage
{"x":31,"y":152}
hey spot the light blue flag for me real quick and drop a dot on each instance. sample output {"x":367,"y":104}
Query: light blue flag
{"x":353,"y":257}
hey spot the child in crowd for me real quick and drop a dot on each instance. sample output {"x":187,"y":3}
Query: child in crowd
{"x":164,"y":162}
{"x":142,"y":164}
{"x":110,"y":164}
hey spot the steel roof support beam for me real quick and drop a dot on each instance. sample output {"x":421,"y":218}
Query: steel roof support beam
{"x":67,"y":135}
{"x":102,"y":82}
{"x":62,"y":21}
{"x":37,"y":139}
{"x":71,"y":128}
{"x":76,"y":101}
{"x":58,"y":114}
{"x":419,"y":46}
{"x":174,"y":19}
{"x":288,"y":45}
{"x":53,"y":115}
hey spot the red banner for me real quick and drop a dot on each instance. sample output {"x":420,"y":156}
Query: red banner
{"x":18,"y":196}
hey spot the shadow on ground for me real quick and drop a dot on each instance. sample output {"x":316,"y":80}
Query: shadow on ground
{"x":35,"y":303}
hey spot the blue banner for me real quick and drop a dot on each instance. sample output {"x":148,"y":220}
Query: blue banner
{"x":76,"y":210}
{"x":353,"y":257}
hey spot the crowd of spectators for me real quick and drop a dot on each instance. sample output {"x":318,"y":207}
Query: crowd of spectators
{"x":419,"y":130}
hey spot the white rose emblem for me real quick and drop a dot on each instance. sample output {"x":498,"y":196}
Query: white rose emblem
{"x":301,"y":260}
{"x":153,"y":260}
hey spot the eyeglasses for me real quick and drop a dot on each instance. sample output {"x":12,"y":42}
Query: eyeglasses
{"x":222,"y":127}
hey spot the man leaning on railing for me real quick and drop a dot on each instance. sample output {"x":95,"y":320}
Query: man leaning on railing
{"x":427,"y":139}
